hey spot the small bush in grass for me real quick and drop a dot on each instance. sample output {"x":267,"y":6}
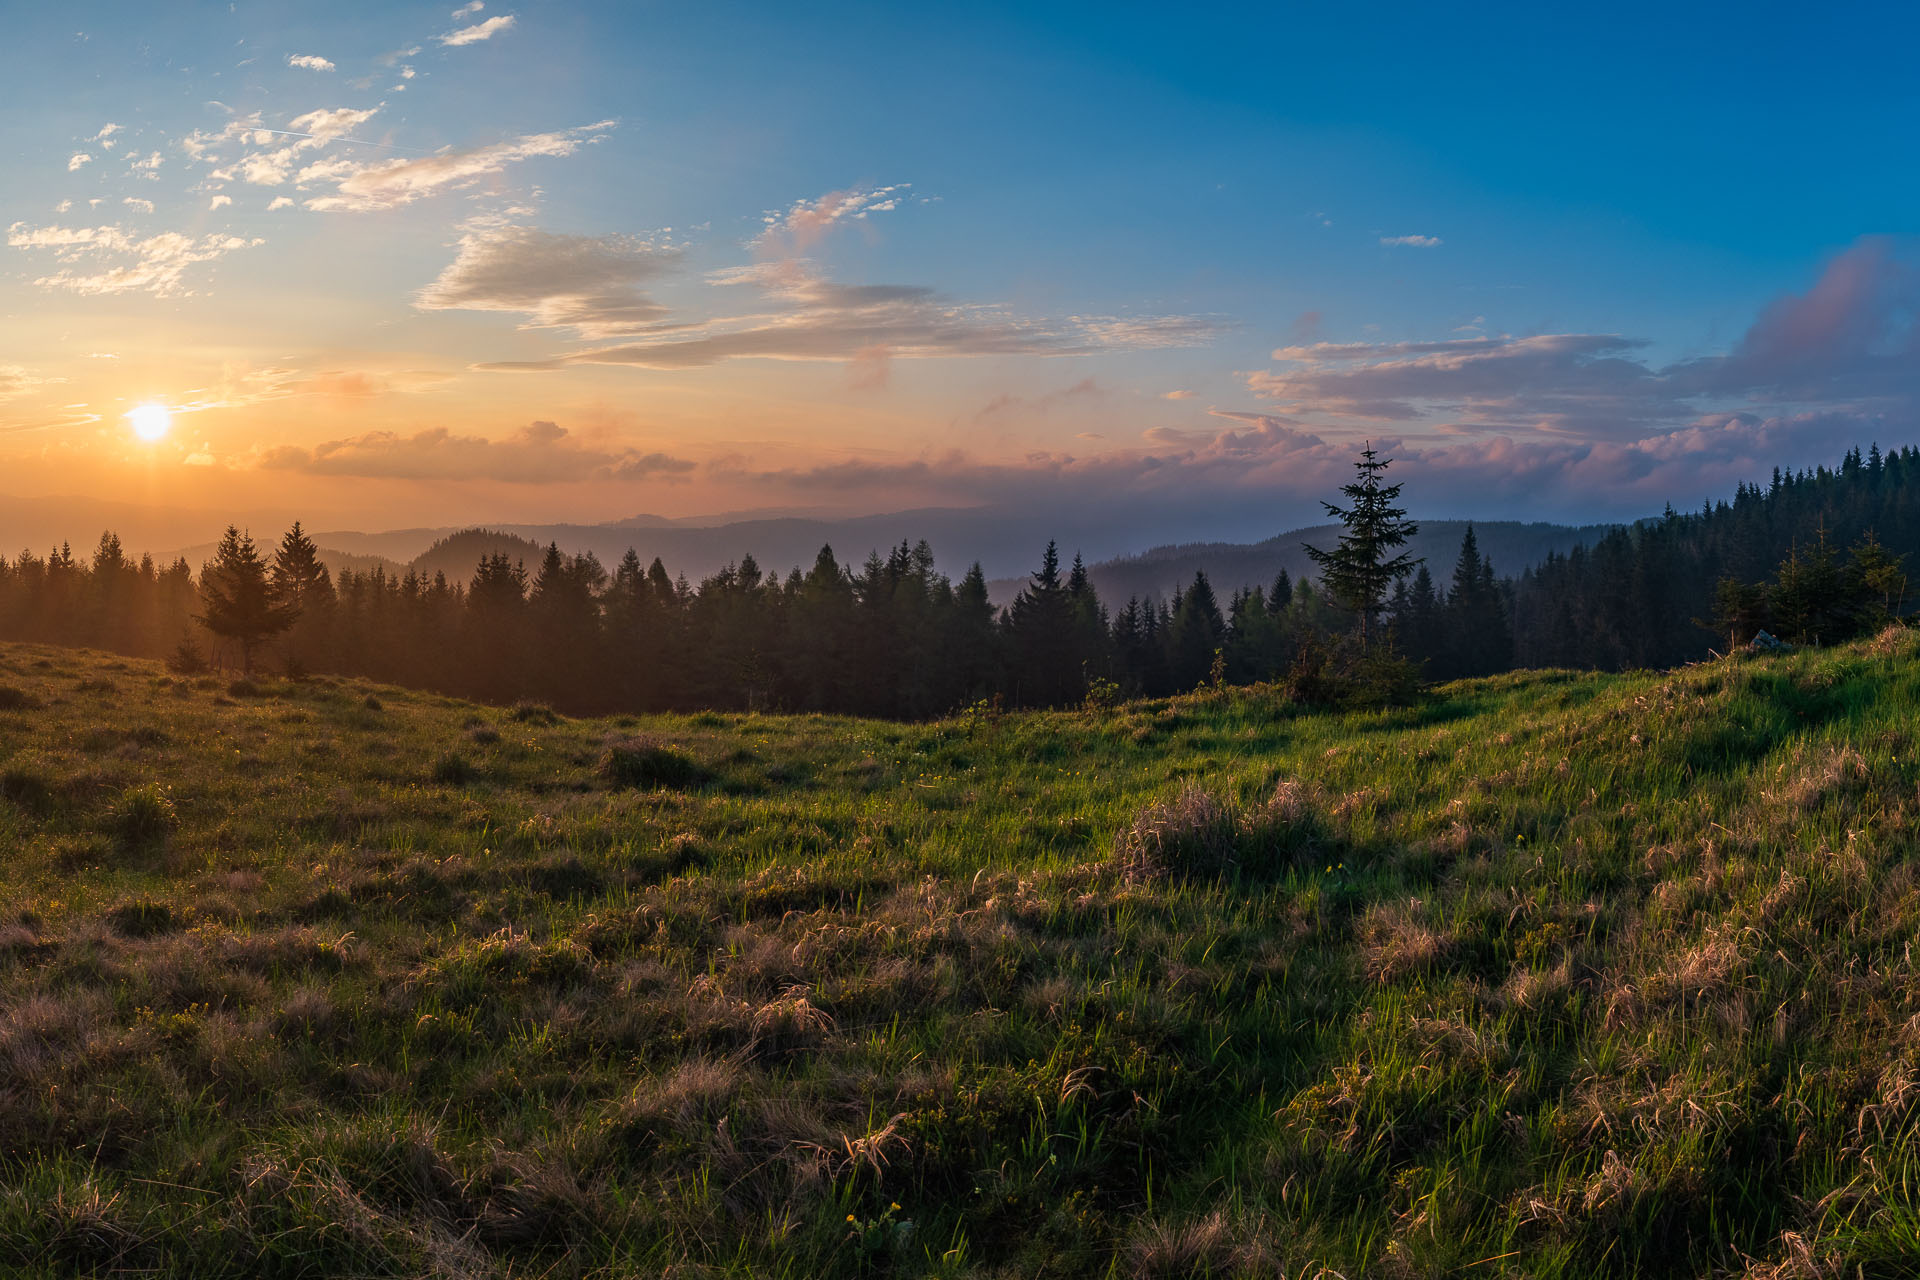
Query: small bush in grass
{"x":454,"y":770}
{"x":143,"y":814}
{"x":484,"y":735}
{"x":641,"y":763}
{"x":1193,"y":834}
{"x":187,"y":660}
{"x":371,"y":703}
{"x":12,"y":699}
{"x":527,"y":712}
{"x":243,"y":688}
{"x":141,"y":919}
{"x":27,"y":786}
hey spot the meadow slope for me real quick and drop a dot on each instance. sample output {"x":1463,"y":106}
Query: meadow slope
{"x":1555,"y":975}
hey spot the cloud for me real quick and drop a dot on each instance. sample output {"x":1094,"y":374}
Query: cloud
{"x":389,"y":185}
{"x":76,"y":160}
{"x":804,"y":316}
{"x":16,"y":381}
{"x":1085,"y":389}
{"x":1412,"y":242}
{"x":1264,"y":472}
{"x":278,"y":151}
{"x":158,"y":264}
{"x":1848,"y":344}
{"x":106,"y":131}
{"x":793,"y":233}
{"x":469,"y":9}
{"x":590,"y":284}
{"x":540,"y":453}
{"x":309,"y":62}
{"x":219,"y":202}
{"x":1178,"y":395}
{"x":280,"y":202}
{"x":478,"y":32}
{"x":137,"y":204}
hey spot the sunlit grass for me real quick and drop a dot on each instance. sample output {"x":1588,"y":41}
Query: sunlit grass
{"x":1555,"y":974}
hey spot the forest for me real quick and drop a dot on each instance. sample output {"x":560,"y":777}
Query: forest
{"x":1815,"y":556}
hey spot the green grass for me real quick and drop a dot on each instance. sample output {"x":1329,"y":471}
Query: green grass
{"x":1554,"y":975}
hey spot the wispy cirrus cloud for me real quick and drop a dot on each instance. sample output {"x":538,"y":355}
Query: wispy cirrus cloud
{"x":795,"y":232}
{"x":479,"y":31}
{"x":540,"y":453}
{"x":591,"y":284}
{"x":1412,"y":242}
{"x":387,"y":185}
{"x":152,"y":264}
{"x":804,"y":316}
{"x":276,"y":151}
{"x":16,"y":381}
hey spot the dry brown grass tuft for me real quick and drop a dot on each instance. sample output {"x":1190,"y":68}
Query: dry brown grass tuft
{"x":1837,"y":774}
{"x":790,"y":1023}
{"x":1215,"y":1245}
{"x":1799,"y":1259}
{"x":1193,"y":834}
{"x":1395,"y":942}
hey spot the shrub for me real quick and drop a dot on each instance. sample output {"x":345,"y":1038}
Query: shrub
{"x":641,"y":763}
{"x":26,"y":786}
{"x":371,"y":703}
{"x":243,"y":688}
{"x":187,"y":660}
{"x":1193,"y":834}
{"x":12,"y":699}
{"x":141,"y":919}
{"x":143,"y":814}
{"x":454,"y":770}
{"x":533,"y":713}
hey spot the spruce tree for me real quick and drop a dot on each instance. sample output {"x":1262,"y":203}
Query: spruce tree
{"x":1359,"y":569}
{"x":237,"y":599}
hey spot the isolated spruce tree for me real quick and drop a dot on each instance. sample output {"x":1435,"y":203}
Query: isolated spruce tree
{"x":237,"y":599}
{"x":1362,"y":566}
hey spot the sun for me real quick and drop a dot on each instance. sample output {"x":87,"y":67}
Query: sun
{"x":150,"y":421}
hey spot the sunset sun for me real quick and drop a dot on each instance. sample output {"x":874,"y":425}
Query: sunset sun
{"x":150,"y":421}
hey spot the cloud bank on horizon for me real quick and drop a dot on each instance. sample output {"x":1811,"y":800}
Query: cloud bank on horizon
{"x":439,"y":256}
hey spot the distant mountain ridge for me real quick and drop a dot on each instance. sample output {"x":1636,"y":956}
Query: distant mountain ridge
{"x":1007,"y":542}
{"x":1512,"y":545}
{"x":1152,"y":574}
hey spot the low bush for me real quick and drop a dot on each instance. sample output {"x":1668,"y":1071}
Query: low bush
{"x":143,"y":815}
{"x":645,"y":764}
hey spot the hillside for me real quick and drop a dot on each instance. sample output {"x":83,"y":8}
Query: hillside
{"x":1556,"y":975}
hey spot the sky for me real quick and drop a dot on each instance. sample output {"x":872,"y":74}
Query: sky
{"x":395,"y":265}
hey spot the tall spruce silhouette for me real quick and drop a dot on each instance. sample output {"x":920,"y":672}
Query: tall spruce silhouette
{"x":1360,"y":569}
{"x":238,"y":601}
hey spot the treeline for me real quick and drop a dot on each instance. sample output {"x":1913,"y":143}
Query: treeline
{"x":1652,"y":595}
{"x":892,"y":638}
{"x":897,"y":638}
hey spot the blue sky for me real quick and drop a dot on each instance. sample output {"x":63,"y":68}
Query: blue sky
{"x":550,"y":259}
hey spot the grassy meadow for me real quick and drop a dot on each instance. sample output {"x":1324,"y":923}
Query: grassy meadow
{"x":1552,"y":975}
